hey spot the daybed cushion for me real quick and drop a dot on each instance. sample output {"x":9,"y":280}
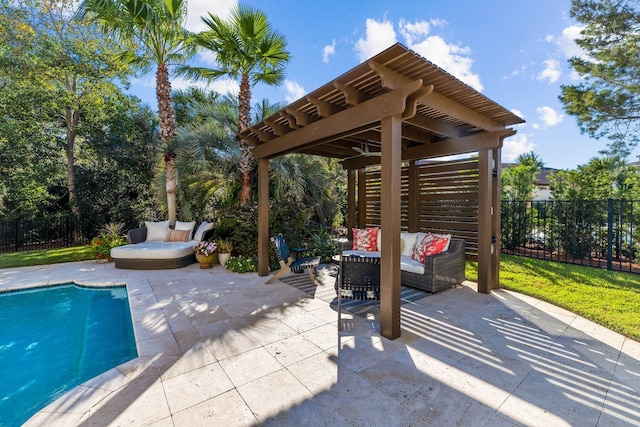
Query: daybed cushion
{"x":204,"y":227}
{"x":154,"y":250}
{"x":157,"y":231}
{"x":178,"y":236}
{"x":180,"y":225}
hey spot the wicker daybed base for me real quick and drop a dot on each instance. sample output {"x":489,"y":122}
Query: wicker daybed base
{"x":154,"y":264}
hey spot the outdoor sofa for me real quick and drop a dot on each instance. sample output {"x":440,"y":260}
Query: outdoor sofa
{"x":157,"y":246}
{"x":438,"y":272}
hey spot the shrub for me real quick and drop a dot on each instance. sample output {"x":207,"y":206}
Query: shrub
{"x":242,"y":264}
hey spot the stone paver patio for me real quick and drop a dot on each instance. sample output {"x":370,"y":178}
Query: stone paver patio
{"x":223,"y":349}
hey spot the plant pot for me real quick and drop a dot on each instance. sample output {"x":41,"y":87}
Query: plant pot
{"x":206,"y":260}
{"x":223,"y":258}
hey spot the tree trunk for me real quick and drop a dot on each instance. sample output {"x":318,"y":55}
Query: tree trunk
{"x":244,"y":121}
{"x":72,"y":117}
{"x":167,"y":132}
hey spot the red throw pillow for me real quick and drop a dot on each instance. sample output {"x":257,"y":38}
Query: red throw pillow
{"x":438,"y":244}
{"x":365,"y":239}
{"x":420,"y":250}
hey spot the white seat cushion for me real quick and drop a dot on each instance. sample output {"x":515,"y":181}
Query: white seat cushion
{"x":154,"y":250}
{"x":410,"y":265}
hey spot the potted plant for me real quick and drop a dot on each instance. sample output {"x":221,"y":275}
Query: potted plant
{"x":224,"y":251}
{"x":206,"y":253}
{"x":110,"y":236}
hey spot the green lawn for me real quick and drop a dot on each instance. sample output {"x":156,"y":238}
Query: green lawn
{"x":609,"y":298}
{"x":46,"y":256}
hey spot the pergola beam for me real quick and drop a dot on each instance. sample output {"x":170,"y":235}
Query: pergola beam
{"x":361,"y":115}
{"x":468,"y":144}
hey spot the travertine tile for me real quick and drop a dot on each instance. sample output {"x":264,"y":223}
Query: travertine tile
{"x":196,"y":386}
{"x":227,"y":409}
{"x":248,"y":366}
{"x":281,"y":383}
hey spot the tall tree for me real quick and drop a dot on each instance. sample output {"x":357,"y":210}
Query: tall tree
{"x":607,"y":102}
{"x":248,"y":49}
{"x":518,"y":181}
{"x":153,"y":33}
{"x":48,"y":56}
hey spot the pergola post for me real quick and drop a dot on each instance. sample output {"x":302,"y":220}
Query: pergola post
{"x":263,"y":216}
{"x":351,"y":200}
{"x":485,"y":221}
{"x":391,"y":176}
{"x":495,"y":226}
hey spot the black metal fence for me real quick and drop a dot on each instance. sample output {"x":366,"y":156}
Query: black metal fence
{"x":597,"y":233}
{"x":54,"y":231}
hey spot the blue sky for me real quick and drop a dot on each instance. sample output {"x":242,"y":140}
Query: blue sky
{"x":513,"y":51}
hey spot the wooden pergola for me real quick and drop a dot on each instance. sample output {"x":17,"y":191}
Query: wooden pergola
{"x":407,"y":109}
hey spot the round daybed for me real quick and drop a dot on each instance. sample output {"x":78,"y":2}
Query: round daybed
{"x":153,"y":247}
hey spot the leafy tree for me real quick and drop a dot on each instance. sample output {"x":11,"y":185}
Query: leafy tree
{"x":153,"y":33}
{"x":607,"y":102}
{"x":58,"y":71}
{"x":248,"y":49}
{"x":518,"y":182}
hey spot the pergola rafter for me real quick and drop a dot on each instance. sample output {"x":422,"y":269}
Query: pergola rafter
{"x":408,"y":110}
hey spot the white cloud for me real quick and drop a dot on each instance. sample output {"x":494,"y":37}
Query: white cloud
{"x":567,"y":42}
{"x":551,"y":71}
{"x":548,"y":116}
{"x":516,"y":145}
{"x":453,"y":58}
{"x":198,"y":8}
{"x":294,"y":91}
{"x":328,"y":51}
{"x":517,"y":113}
{"x":380,"y":35}
{"x":412,"y":32}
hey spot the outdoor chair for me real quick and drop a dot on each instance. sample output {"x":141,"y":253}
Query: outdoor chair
{"x":358,"y":279}
{"x":287,"y":263}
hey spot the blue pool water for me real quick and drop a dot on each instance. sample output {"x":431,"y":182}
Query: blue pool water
{"x":54,"y":338}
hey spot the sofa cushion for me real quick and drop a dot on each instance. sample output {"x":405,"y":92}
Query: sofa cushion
{"x":204,"y":227}
{"x":446,"y":237}
{"x":178,"y":236}
{"x":420,"y":251}
{"x":365,"y":239}
{"x":410,"y":265}
{"x":157,"y":231}
{"x":408,"y":243}
{"x":181,"y":225}
{"x":154,"y":250}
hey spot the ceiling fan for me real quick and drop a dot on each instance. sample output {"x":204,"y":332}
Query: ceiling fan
{"x":364,"y":150}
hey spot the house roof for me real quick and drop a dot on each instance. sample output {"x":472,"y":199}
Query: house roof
{"x":346,"y":112}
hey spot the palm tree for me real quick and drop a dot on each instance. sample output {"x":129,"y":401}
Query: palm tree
{"x":247,"y":49}
{"x":153,"y":32}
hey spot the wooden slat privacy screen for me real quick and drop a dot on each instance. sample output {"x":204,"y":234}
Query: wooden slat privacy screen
{"x":445,"y":194}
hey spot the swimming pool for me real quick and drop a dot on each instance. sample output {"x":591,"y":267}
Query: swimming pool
{"x":54,"y":338}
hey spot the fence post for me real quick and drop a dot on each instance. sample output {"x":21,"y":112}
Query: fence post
{"x":609,"y":234}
